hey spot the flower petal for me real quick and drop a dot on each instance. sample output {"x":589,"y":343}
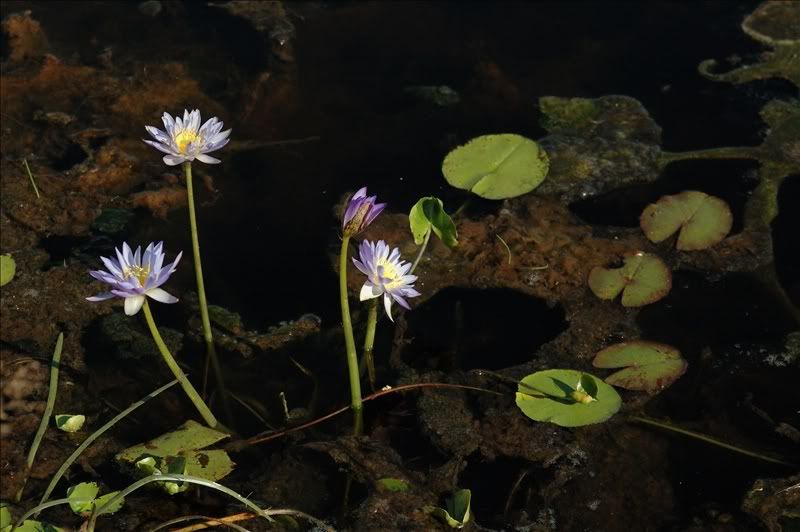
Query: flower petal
{"x":387,"y":305}
{"x":133,"y":304}
{"x":161,"y":296}
{"x":100,"y":297}
{"x":369,"y":291}
{"x":203,"y":158}
{"x":173,"y":160}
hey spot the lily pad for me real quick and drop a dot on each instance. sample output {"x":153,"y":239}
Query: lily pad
{"x":457,"y":513}
{"x":7,"y":269}
{"x":428,"y":214}
{"x":649,"y":366}
{"x":643,"y":279}
{"x":497,"y":166}
{"x":188,"y":441}
{"x":703,"y":220}
{"x":69,"y":422}
{"x":566,"y":397}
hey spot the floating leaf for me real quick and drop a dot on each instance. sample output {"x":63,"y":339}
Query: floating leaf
{"x":69,"y":422}
{"x":457,"y":513}
{"x":7,"y":269}
{"x":649,"y":366}
{"x":643,"y":279}
{"x":428,"y":214}
{"x":554,"y":396}
{"x":703,"y":220}
{"x":101,"y":501}
{"x":497,"y":166}
{"x":5,"y":517}
{"x":394,"y":484}
{"x":189,"y":441}
{"x":29,"y":525}
{"x":81,"y":496}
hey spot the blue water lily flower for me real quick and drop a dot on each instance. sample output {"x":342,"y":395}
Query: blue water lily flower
{"x":387,"y":275}
{"x":361,"y":211}
{"x":134,"y":276}
{"x":186,"y":140}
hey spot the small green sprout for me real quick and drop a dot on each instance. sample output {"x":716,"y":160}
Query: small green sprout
{"x":70,"y":422}
{"x":83,"y":499}
{"x":8,"y":267}
{"x":457,"y":513}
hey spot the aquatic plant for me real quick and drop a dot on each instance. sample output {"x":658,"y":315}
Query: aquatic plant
{"x":70,"y":422}
{"x":702,"y":220}
{"x":361,"y":211}
{"x":457,"y":511}
{"x":426,"y":216}
{"x":83,"y":499}
{"x":8,"y":267}
{"x":135,"y":277}
{"x":183,"y":141}
{"x":648,"y":366}
{"x":566,"y":397}
{"x":497,"y":166}
{"x":643,"y":279}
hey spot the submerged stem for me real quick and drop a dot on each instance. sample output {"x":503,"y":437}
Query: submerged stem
{"x":201,"y":406}
{"x":349,"y":341}
{"x":709,"y":439}
{"x":208,"y":337}
{"x":421,"y":251}
{"x":369,"y":341}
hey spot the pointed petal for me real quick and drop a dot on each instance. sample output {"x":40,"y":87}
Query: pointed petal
{"x":203,"y":158}
{"x":161,"y":296}
{"x":100,"y":297}
{"x":387,"y":305}
{"x":369,"y":291}
{"x":173,"y":160}
{"x":133,"y":304}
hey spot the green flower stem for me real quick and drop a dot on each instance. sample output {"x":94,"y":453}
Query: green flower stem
{"x":421,"y":251}
{"x":369,"y":341}
{"x":209,"y":418}
{"x":208,"y":337}
{"x":349,"y":341}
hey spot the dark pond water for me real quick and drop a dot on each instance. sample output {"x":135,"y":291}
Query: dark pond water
{"x":269,"y":230}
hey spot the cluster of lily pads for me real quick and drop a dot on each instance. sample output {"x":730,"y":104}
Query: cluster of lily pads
{"x":493,"y":167}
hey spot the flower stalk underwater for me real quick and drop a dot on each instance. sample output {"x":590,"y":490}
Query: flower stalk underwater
{"x":349,"y":342}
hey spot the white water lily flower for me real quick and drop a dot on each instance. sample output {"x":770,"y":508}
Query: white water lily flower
{"x":387,"y":275}
{"x":184,"y":139}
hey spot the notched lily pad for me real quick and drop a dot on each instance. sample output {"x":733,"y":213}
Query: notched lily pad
{"x":457,"y":513}
{"x":702,"y":220}
{"x":643,"y":279}
{"x":497,"y":166}
{"x":83,"y":499}
{"x":188,"y":441}
{"x":566,"y":397}
{"x":649,"y":366}
{"x":428,"y":215}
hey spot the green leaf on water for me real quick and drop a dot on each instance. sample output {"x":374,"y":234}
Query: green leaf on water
{"x":81,"y":496}
{"x":188,"y":441}
{"x":5,"y":517}
{"x":457,"y":513}
{"x":69,"y":422}
{"x":428,"y":214}
{"x":643,"y":279}
{"x":702,"y":220}
{"x":8,"y":267}
{"x":394,"y":484}
{"x":103,"y":499}
{"x":29,"y":525}
{"x":563,"y":397}
{"x":649,"y":366}
{"x":497,"y":166}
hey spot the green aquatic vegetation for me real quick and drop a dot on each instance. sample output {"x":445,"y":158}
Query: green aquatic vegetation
{"x":8,"y":268}
{"x":426,"y":216}
{"x":70,"y":422}
{"x":702,"y":220}
{"x":188,"y":442}
{"x":497,"y":166}
{"x":643,"y":279}
{"x":566,"y":397}
{"x":457,"y":511}
{"x":394,"y":484}
{"x":83,"y":499}
{"x":31,"y":179}
{"x":648,"y":366}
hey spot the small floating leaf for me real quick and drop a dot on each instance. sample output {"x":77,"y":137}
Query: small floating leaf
{"x":703,"y":220}
{"x":457,"y":513}
{"x":69,"y":422}
{"x":428,"y":214}
{"x":643,"y":279}
{"x":394,"y":484}
{"x":562,"y":396}
{"x":188,"y":441}
{"x":649,"y":366}
{"x":7,"y":269}
{"x":81,"y":496}
{"x":5,"y":517}
{"x":497,"y":166}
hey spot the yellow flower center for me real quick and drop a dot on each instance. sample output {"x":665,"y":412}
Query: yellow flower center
{"x":184,"y":138}
{"x":390,"y":273}
{"x":139,"y":272}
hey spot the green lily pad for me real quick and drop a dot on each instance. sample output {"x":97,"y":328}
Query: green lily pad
{"x":457,"y":513}
{"x":703,"y":220}
{"x":566,"y":397}
{"x":643,"y":279}
{"x":5,"y":517}
{"x":649,"y":366}
{"x":188,"y":441}
{"x":394,"y":484}
{"x":497,"y":166}
{"x":7,"y":269}
{"x":428,"y":214}
{"x":83,"y":499}
{"x":69,"y":422}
